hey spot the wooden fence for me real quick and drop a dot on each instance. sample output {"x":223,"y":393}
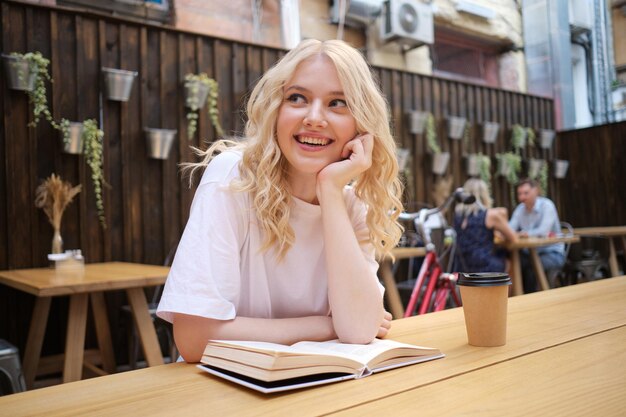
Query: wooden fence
{"x":147,"y":202}
{"x":594,"y":193}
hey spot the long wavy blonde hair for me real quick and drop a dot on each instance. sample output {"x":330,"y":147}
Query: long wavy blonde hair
{"x":263,"y":168}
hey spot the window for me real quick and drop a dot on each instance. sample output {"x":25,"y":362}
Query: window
{"x":460,"y":57}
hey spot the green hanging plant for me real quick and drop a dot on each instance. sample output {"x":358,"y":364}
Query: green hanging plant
{"x":510,"y":166}
{"x":38,"y":65}
{"x":193,"y":83}
{"x":531,"y":136}
{"x":543,"y":179}
{"x":467,"y":134}
{"x":431,"y":134}
{"x":518,"y":137}
{"x":94,"y":157}
{"x":484,"y":168}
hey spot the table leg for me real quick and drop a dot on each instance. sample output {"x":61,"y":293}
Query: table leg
{"x":34,"y":342}
{"x":613,"y":258}
{"x":516,"y":273}
{"x":75,"y":338}
{"x":539,"y":272}
{"x":391,"y":290}
{"x":103,"y":331}
{"x":145,"y":326}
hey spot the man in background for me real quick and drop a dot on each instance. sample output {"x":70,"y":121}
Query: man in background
{"x":536,"y":216}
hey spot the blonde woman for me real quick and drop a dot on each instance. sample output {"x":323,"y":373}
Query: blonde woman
{"x":475,"y":225}
{"x":285,"y":226}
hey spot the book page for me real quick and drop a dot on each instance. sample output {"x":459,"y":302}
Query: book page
{"x":362,"y":353}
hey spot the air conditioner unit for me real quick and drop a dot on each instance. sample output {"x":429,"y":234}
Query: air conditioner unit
{"x":407,"y":22}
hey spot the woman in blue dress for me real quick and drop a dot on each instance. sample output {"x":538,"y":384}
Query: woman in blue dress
{"x":475,"y":226}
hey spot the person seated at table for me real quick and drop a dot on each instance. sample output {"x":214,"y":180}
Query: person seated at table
{"x":284,"y":229}
{"x":475,"y":225}
{"x":536,"y":216}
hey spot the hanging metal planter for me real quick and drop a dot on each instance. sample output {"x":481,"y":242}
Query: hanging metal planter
{"x":456,"y":127}
{"x":417,"y":121}
{"x":490,"y":131}
{"x":19,"y":74}
{"x":560,"y":168}
{"x":473,"y":164}
{"x":534,"y":167}
{"x":546,"y":137}
{"x":440,"y":162}
{"x":402,"y":156}
{"x":196,"y":93}
{"x":73,"y":142}
{"x":119,"y":83}
{"x":159,"y":142}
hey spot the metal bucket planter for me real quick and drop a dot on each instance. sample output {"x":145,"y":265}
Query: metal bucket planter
{"x":546,"y":137}
{"x":456,"y":127}
{"x":402,"y":156}
{"x":159,"y":142}
{"x":473,"y":165}
{"x":196,"y":93}
{"x":534,"y":167}
{"x":75,"y":143}
{"x":560,"y":168}
{"x":490,"y":131}
{"x":504,"y":168}
{"x":19,"y":75}
{"x":440,"y":162}
{"x":417,"y":121}
{"x":119,"y":83}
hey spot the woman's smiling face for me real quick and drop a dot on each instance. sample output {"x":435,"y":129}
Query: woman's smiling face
{"x":314,"y":122}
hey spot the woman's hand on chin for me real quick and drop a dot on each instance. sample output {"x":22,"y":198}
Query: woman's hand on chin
{"x":356,"y":159}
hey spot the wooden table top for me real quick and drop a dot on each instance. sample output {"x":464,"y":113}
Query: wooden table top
{"x":541,"y":325}
{"x":561,"y":381}
{"x":106,"y":276}
{"x":601,"y":231}
{"x":535,"y":242}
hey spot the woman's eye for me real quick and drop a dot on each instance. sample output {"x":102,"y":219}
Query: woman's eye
{"x":296,"y":98}
{"x":338,"y":103}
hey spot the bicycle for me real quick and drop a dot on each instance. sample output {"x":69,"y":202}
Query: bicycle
{"x":433,"y":287}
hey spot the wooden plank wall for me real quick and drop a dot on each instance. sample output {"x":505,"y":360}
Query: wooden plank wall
{"x":147,"y":201}
{"x":594,"y":191}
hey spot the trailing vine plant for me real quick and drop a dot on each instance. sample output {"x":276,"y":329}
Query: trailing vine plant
{"x":518,"y":137}
{"x":192,"y":82}
{"x":484,"y":169}
{"x":92,"y":142}
{"x":431,"y":134}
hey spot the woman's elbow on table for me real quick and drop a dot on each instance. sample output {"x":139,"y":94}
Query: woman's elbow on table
{"x":191,"y":334}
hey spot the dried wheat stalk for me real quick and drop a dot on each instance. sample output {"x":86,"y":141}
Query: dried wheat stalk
{"x":52,"y":196}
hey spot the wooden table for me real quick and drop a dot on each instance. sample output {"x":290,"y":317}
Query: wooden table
{"x":389,"y":281}
{"x":564,"y":356}
{"x":80,"y":286}
{"x":532,"y":243}
{"x":610,"y":232}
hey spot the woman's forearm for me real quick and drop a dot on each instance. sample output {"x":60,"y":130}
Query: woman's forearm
{"x":192,"y":333}
{"x":353,"y":293}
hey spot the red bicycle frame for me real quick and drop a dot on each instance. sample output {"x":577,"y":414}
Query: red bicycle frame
{"x":442,"y":285}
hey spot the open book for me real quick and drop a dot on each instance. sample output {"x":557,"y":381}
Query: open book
{"x":271,"y":367}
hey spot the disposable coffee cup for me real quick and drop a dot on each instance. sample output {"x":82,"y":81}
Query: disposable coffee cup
{"x":485,"y":296}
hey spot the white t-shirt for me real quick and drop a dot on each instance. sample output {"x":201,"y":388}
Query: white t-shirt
{"x":219,"y":271}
